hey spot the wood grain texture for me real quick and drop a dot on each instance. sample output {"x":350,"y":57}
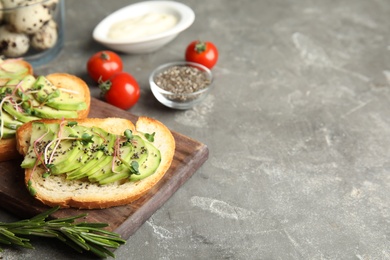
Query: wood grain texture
{"x":125,"y":220}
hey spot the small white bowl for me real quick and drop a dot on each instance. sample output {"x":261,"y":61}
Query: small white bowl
{"x":175,"y":99}
{"x":184,"y":15}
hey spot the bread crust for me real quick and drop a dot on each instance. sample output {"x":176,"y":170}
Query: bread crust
{"x":8,"y":149}
{"x":57,"y":191}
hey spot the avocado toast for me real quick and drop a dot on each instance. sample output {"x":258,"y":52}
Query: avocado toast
{"x":25,"y":98}
{"x":93,"y":163}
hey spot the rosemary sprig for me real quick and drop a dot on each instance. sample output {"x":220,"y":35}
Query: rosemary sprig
{"x":82,"y":236}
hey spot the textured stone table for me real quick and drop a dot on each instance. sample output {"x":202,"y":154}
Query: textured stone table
{"x":298,"y":128}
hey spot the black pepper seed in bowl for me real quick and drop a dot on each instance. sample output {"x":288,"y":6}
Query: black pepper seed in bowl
{"x":181,"y":84}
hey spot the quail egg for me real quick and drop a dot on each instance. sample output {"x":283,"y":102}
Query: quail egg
{"x":1,"y":12}
{"x":46,"y":37}
{"x":13,"y":44}
{"x":11,"y":3}
{"x":29,"y":17}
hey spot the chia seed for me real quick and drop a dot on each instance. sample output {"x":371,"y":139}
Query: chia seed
{"x":182,"y":81}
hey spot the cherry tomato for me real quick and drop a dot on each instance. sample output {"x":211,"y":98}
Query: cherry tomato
{"x":103,"y":64}
{"x":121,"y":90}
{"x":204,"y":53}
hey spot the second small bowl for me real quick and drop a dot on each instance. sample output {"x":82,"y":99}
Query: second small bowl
{"x":181,"y":85}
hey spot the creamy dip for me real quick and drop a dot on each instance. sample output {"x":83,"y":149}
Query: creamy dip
{"x":142,"y":26}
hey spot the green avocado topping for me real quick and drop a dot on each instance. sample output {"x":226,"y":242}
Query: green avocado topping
{"x":90,"y":153}
{"x":29,"y":98}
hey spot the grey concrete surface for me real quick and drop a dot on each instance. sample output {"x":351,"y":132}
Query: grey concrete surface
{"x":298,"y":128}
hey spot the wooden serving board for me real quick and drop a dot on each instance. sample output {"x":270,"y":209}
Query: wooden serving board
{"x":124,"y":220}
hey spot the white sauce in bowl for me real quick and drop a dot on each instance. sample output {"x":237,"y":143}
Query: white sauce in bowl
{"x":142,"y":26}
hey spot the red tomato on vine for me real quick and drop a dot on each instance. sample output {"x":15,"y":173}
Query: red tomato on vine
{"x":121,"y":90}
{"x":103,"y":64}
{"x":205,"y":53}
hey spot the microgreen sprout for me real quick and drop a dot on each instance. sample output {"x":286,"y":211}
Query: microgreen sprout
{"x":150,"y":137}
{"x":128,"y":134}
{"x":72,"y":123}
{"x":86,"y":138}
{"x":134,"y":167}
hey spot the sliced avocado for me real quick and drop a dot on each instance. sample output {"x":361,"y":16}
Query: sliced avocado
{"x":18,"y":114}
{"x":20,"y":90}
{"x":82,"y":153}
{"x":66,"y":153}
{"x":10,"y":69}
{"x":120,"y":170}
{"x":150,"y":165}
{"x":42,"y":135}
{"x":104,"y":147}
{"x":124,"y":174}
{"x":52,"y":113}
{"x":106,"y":170}
{"x":33,"y":109}
{"x":138,"y":154}
{"x":126,"y":151}
{"x":102,"y":172}
{"x":10,"y":121}
{"x":24,"y":83}
{"x":12,"y":75}
{"x":6,"y":132}
{"x":86,"y":160}
{"x":54,"y":97}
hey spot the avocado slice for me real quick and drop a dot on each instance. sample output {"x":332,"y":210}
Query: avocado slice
{"x":106,"y":171}
{"x":103,"y":172}
{"x":18,"y":114}
{"x":66,"y":153}
{"x":127,"y":151}
{"x":7,"y":132}
{"x":81,"y":152}
{"x":9,"y":121}
{"x":12,"y":75}
{"x":150,"y":165}
{"x":52,"y":113}
{"x":54,"y":97}
{"x":38,"y":112}
{"x":24,"y":83}
{"x":115,"y":177}
{"x":138,"y":154}
{"x":33,"y":106}
{"x":41,"y":132}
{"x":12,"y":69}
{"x":104,"y":146}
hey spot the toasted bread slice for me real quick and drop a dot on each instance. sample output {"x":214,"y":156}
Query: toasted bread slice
{"x":56,"y":190}
{"x":62,"y":81}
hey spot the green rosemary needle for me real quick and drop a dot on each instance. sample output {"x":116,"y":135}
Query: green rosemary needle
{"x":82,"y":236}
